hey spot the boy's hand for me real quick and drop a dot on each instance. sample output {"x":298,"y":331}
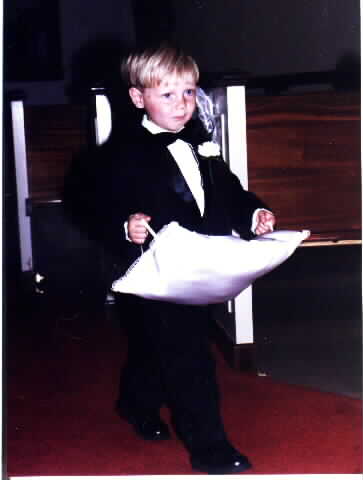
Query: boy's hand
{"x":265,"y":222}
{"x":136,"y":230}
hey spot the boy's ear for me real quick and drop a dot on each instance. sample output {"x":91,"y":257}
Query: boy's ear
{"x":137,"y":97}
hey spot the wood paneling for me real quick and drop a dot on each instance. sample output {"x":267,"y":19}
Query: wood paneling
{"x":54,"y":134}
{"x":304,"y":161}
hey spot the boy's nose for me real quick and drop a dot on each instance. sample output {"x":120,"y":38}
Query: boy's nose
{"x":180,"y":103}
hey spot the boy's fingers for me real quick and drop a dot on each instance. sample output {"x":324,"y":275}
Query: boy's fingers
{"x":137,"y":237}
{"x":264,"y":228}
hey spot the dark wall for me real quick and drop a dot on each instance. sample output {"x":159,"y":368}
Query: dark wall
{"x":90,"y":35}
{"x":265,"y":37}
{"x":262,"y":37}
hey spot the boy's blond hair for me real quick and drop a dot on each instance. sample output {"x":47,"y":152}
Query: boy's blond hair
{"x":148,"y":68}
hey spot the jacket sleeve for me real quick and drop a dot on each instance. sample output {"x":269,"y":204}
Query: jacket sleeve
{"x":240,"y":203}
{"x":95,"y":202}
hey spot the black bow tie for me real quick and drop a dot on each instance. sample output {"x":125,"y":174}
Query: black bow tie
{"x":193,"y":133}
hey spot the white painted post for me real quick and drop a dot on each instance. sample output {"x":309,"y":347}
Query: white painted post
{"x":237,"y":144}
{"x":103,"y":120}
{"x":22,"y":187}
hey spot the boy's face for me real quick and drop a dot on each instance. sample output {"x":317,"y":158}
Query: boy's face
{"x":171,"y":104}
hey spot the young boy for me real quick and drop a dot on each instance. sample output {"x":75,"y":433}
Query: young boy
{"x":152,"y":171}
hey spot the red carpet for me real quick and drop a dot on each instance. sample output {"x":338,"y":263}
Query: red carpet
{"x":62,"y":383}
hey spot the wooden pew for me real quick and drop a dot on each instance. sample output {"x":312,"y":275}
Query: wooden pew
{"x":54,"y":134}
{"x":46,"y":139}
{"x":304,"y":161}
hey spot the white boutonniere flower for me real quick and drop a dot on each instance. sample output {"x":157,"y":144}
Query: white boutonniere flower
{"x":209,"y":149}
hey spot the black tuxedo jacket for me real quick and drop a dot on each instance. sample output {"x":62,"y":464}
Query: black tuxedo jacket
{"x":135,"y":172}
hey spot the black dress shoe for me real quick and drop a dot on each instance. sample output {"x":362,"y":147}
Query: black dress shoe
{"x":220,"y":462}
{"x":148,"y":427}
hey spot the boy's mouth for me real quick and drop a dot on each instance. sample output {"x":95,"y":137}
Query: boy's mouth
{"x":180,"y":118}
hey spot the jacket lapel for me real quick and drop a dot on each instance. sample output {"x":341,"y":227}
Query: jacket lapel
{"x":178,"y":183}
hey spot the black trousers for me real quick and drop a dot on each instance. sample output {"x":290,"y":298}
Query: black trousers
{"x":170,"y":363}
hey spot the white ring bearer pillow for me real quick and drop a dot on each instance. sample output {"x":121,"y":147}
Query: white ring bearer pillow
{"x":181,"y":266}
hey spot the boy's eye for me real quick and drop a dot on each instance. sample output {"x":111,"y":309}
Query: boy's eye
{"x":167,"y":95}
{"x":190,"y":92}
